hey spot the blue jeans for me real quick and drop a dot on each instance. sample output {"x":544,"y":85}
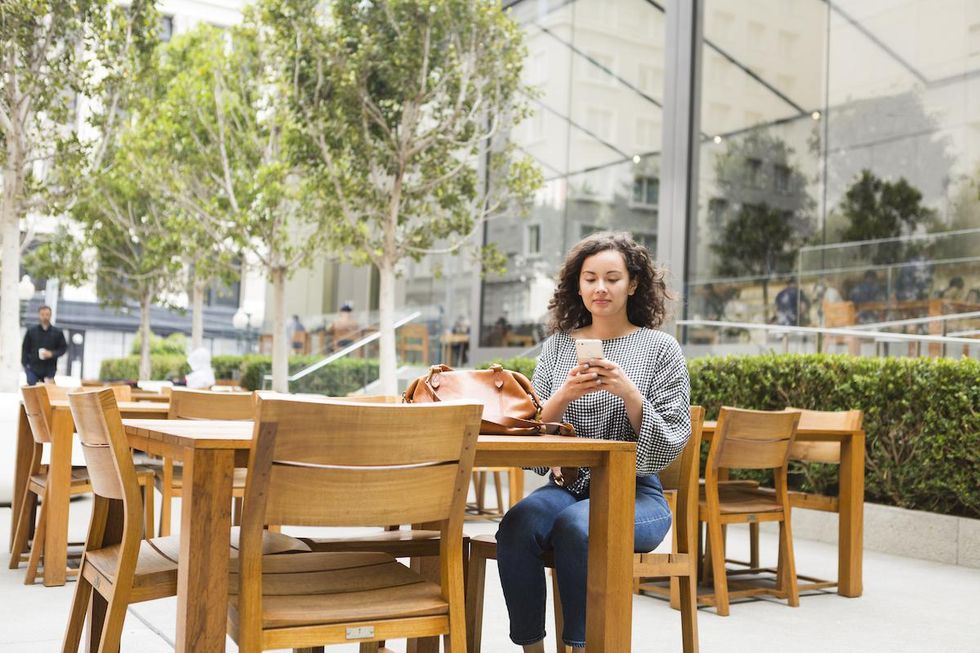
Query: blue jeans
{"x":551,"y":518}
{"x":32,"y":378}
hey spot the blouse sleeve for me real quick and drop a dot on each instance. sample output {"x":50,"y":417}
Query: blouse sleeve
{"x":542,"y":381}
{"x":666,"y":424}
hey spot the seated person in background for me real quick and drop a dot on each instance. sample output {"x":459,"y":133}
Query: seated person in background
{"x":824,"y":292}
{"x":868,"y":290}
{"x":955,"y":291}
{"x":344,"y":329}
{"x":792,"y":306}
{"x":914,"y":280}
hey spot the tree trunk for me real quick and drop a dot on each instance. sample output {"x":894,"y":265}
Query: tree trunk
{"x":197,"y":314}
{"x":146,"y":369}
{"x":280,"y":347}
{"x":9,"y":269}
{"x":765,"y":300}
{"x":386,"y":306}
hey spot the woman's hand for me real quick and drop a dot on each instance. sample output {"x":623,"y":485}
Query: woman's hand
{"x":581,"y":381}
{"x":610,"y":377}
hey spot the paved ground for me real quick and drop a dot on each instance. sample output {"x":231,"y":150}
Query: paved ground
{"x":908,"y":605}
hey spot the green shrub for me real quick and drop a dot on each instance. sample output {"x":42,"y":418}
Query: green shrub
{"x":162,"y":366}
{"x":524,"y":365}
{"x":336,"y":379}
{"x":227,"y":366}
{"x":175,"y":344}
{"x":921,"y":416}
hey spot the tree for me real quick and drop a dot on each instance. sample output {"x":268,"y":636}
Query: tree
{"x":53,"y":51}
{"x":216,"y":146}
{"x":771,"y":209}
{"x":875,"y":208}
{"x":401,"y":109}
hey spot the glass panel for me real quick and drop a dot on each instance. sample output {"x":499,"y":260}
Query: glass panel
{"x":596,"y":133}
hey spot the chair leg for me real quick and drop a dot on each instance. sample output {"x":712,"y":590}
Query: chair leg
{"x":498,"y":486}
{"x":22,"y":528}
{"x":717,"y":545}
{"x":236,"y":511}
{"x":689,"y":612}
{"x":754,"y":545}
{"x":112,"y":627}
{"x":167,"y":493}
{"x":481,"y":492}
{"x":475,"y":584}
{"x":148,"y":516}
{"x":365,"y":647}
{"x":319,"y":649}
{"x":560,"y":646}
{"x":76,"y":618}
{"x":37,"y":548}
{"x":788,"y":568}
{"x":515,"y":485}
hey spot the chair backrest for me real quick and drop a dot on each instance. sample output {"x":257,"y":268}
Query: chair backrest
{"x":122,"y":392}
{"x":57,"y":392}
{"x":751,"y":439}
{"x":682,"y":476}
{"x":823,"y":452}
{"x":37,"y":405}
{"x":341,"y":463}
{"x":111,"y":471}
{"x":371,"y":399}
{"x":203,"y":404}
{"x":839,"y":314}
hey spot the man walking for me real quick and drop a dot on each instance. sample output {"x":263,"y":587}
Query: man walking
{"x":43,"y":344}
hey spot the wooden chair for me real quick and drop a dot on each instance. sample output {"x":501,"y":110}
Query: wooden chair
{"x":748,"y":439}
{"x":840,"y":315}
{"x":333,"y":463}
{"x":40,"y":417}
{"x":680,"y":481}
{"x":119,"y":566}
{"x":200,"y":404}
{"x":812,"y":452}
{"x":413,"y":339}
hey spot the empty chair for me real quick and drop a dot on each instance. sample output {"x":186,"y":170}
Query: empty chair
{"x":680,"y":483}
{"x":120,"y":567}
{"x":748,"y":439}
{"x":199,"y":404}
{"x":40,"y":417}
{"x":336,"y":463}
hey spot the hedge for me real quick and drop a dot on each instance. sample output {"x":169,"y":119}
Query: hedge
{"x":162,"y":366}
{"x":336,"y":379}
{"x":921,"y":416}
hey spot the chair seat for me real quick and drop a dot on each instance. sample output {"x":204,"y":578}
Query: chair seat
{"x":327,"y":588}
{"x":401,"y":543}
{"x":739,"y":499}
{"x":79,"y":481}
{"x":156,"y":567}
{"x":238,"y":478}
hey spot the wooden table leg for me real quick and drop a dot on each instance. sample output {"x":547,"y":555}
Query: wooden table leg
{"x":57,"y":496}
{"x":22,"y":469}
{"x":202,"y":576}
{"x":851,"y":517}
{"x":609,"y":611}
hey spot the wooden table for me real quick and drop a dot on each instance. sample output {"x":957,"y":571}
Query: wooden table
{"x":850,"y":518}
{"x":59,"y":478}
{"x":211,"y":449}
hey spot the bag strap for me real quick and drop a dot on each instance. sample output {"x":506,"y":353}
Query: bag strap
{"x":549,"y":428}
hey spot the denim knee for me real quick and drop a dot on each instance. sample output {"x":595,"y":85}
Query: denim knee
{"x":570,"y":531}
{"x":519,"y":528}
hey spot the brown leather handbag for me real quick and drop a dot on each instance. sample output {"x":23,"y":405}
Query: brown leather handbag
{"x":510,"y":405}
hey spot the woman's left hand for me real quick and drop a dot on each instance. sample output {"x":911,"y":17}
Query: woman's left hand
{"x":611,"y":378}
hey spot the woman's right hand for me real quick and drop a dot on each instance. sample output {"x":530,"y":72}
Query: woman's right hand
{"x":581,"y":381}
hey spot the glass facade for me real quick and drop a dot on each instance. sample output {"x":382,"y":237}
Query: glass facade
{"x":838,"y":175}
{"x":841,"y":153}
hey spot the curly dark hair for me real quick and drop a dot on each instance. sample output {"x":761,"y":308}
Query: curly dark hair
{"x":647,"y":307}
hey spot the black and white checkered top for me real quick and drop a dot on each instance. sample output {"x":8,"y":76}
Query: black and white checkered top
{"x":654,"y":363}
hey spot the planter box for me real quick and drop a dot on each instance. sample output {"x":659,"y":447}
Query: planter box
{"x":901,"y":532}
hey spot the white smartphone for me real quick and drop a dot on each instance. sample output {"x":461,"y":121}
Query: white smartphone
{"x":587,"y":349}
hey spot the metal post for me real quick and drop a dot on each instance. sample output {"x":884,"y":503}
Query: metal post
{"x":681,"y":138}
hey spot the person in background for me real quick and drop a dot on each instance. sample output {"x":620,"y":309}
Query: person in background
{"x":43,"y":344}
{"x":296,"y":333}
{"x":792,"y":306}
{"x":955,"y":291}
{"x":868,"y":290}
{"x":609,"y":290}
{"x":345,"y":327}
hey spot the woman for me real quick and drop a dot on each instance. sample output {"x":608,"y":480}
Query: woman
{"x":609,"y":290}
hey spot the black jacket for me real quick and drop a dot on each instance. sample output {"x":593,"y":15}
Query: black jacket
{"x":52,"y":339}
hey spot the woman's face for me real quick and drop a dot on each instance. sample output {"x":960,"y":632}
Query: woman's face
{"x":605,"y":284}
